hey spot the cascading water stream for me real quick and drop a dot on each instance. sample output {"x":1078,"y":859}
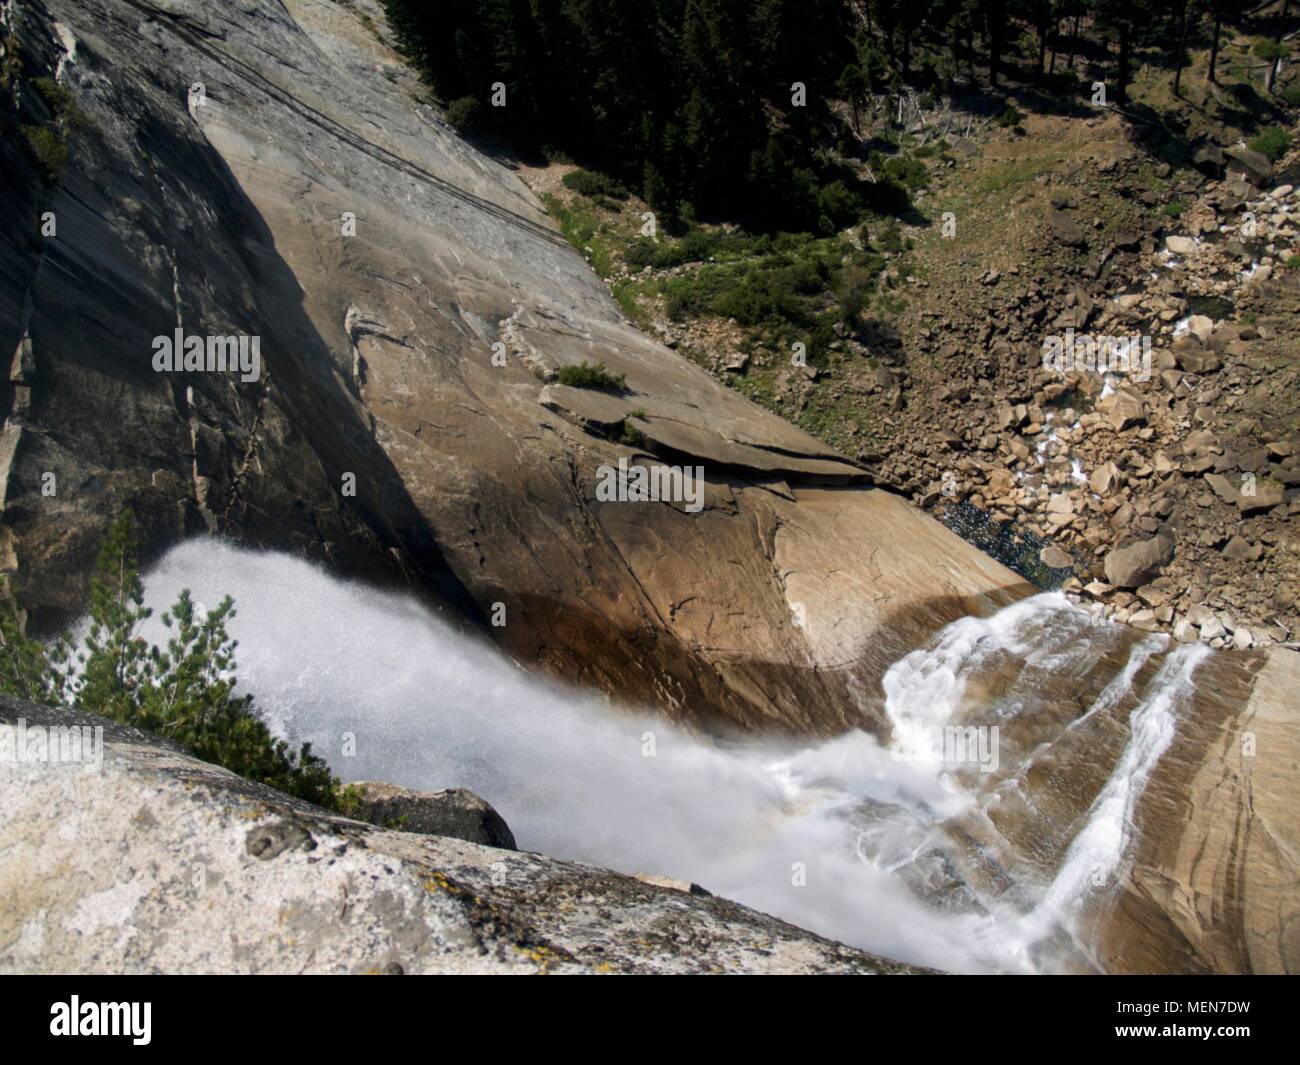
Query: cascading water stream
{"x":844,"y":837}
{"x":1098,"y":849}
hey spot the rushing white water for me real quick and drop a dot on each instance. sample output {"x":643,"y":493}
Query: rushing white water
{"x":335,"y":662}
{"x":1098,"y":850}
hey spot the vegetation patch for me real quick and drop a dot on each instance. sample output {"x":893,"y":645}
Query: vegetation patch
{"x":49,"y":149}
{"x":591,"y":375}
{"x":184,"y":691}
{"x":1271,"y":143}
{"x":590,"y":183}
{"x":64,"y":105}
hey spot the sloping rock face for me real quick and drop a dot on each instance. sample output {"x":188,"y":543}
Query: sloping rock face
{"x":266,"y":170}
{"x":152,"y":861}
{"x":1215,"y":883}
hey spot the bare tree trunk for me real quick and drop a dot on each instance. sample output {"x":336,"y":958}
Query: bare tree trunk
{"x":1276,"y":68}
{"x":1214,"y":45}
{"x":1125,"y":33}
{"x":994,"y":26}
{"x":1044,"y":21}
{"x":1182,"y":48}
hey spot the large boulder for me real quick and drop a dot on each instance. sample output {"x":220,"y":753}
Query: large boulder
{"x":1253,"y":166}
{"x":1123,"y":409}
{"x":1207,"y":157}
{"x":1065,"y":229}
{"x":1137,"y":563}
{"x":1195,"y":359}
{"x":147,"y":860}
{"x":455,"y":812}
{"x":1054,"y":558}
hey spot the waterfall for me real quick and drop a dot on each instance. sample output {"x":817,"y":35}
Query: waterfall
{"x":843,"y":836}
{"x":1099,"y":848}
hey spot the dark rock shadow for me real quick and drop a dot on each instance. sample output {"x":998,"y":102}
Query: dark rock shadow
{"x":260,"y":462}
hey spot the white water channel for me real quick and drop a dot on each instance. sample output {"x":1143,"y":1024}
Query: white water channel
{"x":430,"y":708}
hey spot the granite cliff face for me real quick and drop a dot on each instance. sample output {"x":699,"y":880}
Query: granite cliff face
{"x":267,"y":170}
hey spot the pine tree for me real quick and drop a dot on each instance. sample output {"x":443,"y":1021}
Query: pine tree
{"x":185,"y":691}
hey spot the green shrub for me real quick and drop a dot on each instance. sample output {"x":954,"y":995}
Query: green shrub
{"x":889,"y":237}
{"x":184,"y":691}
{"x":54,"y":94}
{"x":908,"y":172}
{"x":626,"y":433}
{"x":645,"y":252}
{"x":585,"y":230}
{"x":837,"y":204}
{"x":694,"y":294}
{"x":696,"y":246}
{"x":463,"y":114}
{"x":62,"y":103}
{"x":590,"y":183}
{"x":887,"y":196}
{"x":1010,"y":117}
{"x":753,"y":301}
{"x":778,"y":290}
{"x":851,"y":295}
{"x":591,"y":375}
{"x":50,"y":151}
{"x":1270,"y":50}
{"x":1273,"y":143}
{"x":1291,"y":94}
{"x":626,"y":292}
